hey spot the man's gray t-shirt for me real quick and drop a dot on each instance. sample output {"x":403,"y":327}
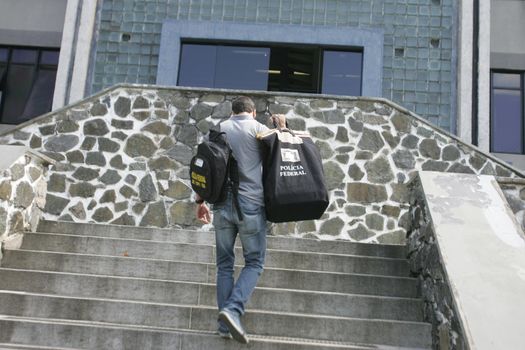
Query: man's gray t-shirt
{"x":241,"y":131}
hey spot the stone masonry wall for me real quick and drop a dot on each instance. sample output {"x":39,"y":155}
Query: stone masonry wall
{"x":22,"y":198}
{"x":123,"y":157}
{"x":425,"y":264}
{"x":514,"y":191}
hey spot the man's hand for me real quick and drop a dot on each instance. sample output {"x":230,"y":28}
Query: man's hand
{"x":280,"y":120}
{"x":203,"y":213}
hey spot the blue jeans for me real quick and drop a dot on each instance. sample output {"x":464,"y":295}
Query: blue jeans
{"x":252,"y":233}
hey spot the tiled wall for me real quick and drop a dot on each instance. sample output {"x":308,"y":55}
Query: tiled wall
{"x":419,"y":51}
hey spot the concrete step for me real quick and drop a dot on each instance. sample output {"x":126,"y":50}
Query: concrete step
{"x":202,"y":318}
{"x":272,"y":299}
{"x":202,"y":237}
{"x":55,"y":333}
{"x":206,"y":254}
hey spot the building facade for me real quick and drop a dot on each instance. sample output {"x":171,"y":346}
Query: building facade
{"x":434,"y":57}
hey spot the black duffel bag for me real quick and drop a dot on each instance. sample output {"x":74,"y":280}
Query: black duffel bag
{"x":293,"y":176}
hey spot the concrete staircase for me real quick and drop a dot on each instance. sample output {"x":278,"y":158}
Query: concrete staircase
{"x":87,"y":286}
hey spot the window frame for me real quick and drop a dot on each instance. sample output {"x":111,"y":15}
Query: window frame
{"x":37,"y":65}
{"x":317,"y":65}
{"x":522,"y":105}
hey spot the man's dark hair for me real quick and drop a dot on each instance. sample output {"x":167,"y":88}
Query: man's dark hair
{"x":243,"y":104}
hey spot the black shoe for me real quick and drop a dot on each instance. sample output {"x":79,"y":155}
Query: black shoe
{"x":233,"y":321}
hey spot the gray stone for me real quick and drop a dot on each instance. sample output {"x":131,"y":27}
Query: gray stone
{"x":371,"y":141}
{"x":355,"y":210}
{"x":342,"y":135}
{"x":61,"y":143}
{"x":62,"y":167}
{"x":183,"y":213}
{"x":59,"y":157}
{"x":342,"y":158}
{"x":390,"y":210}
{"x":92,"y":204}
{"x":424,"y":132}
{"x":383,"y":109}
{"x":85,"y":174}
{"x":56,"y":183}
{"x":82,"y":189}
{"x":358,"y":192}
{"x":78,"y":115}
{"x":434,"y":165}
{"x":16,"y":221}
{"x":96,"y":127}
{"x":78,"y":211}
{"x":138,"y":208}
{"x":55,"y":205}
{"x":404,"y":159}
{"x":334,"y":175}
{"x":122,"y":124}
{"x":88,"y":143}
{"x":163,"y":163}
{"x":167,"y":143}
{"x":410,"y":141}
{"x":488,"y":169}
{"x":75,"y":157}
{"x":177,"y":190}
{"x":47,"y":130}
{"x":121,"y":206}
{"x":390,"y":224}
{"x":67,"y":126}
{"x":375,"y":221}
{"x":187,"y":134}
{"x":320,"y":104}
{"x":500,"y":171}
{"x":128,"y":192}
{"x":107,"y":145}
{"x":395,"y":237}
{"x":102,"y":215}
{"x":400,"y":193}
{"x":303,"y":110}
{"x":98,"y":109}
{"x":324,"y":149}
{"x":182,"y":117}
{"x":3,"y":224}
{"x":161,"y":113}
{"x":147,"y":190}
{"x":321,"y":132}
{"x":5,"y":191}
{"x":401,"y":122}
{"x":24,"y":195}
{"x":355,"y":124}
{"x":122,"y":106}
{"x":117,"y":163}
{"x":354,"y":171}
{"x":110,"y":177}
{"x":157,"y":128}
{"x":155,"y":216}
{"x":296,"y":124}
{"x":285,"y":228}
{"x":35,"y":142}
{"x":108,"y":197}
{"x":379,"y":171}
{"x":125,"y":219}
{"x":404,"y":221}
{"x":477,"y":161}
{"x":137,"y":166}
{"x":279,"y":108}
{"x":460,"y":168}
{"x":140,"y":103}
{"x":21,"y":135}
{"x":429,"y":149}
{"x":392,"y":141}
{"x":212,"y":98}
{"x":201,"y":111}
{"x":130,"y":179}
{"x":371,"y":119}
{"x":141,"y":115}
{"x":163,"y":174}
{"x":203,"y":126}
{"x":332,"y":226}
{"x":95,"y":158}
{"x":181,"y":102}
{"x":450,"y":153}
{"x":333,"y":116}
{"x":139,"y":145}
{"x":360,"y":233}
{"x":344,"y":149}
{"x":363,"y":155}
{"x":17,"y":171}
{"x":222,"y":110}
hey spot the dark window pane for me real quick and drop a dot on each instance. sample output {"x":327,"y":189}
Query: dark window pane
{"x":242,"y":67}
{"x":49,"y":58}
{"x":506,"y":80}
{"x":197,"y":65}
{"x":507,"y":125}
{"x":293,"y":69}
{"x":24,"y":56}
{"x":41,"y":98}
{"x":18,"y":87}
{"x":4,"y":54}
{"x":342,"y":73}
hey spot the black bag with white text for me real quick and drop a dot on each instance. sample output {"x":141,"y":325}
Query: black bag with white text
{"x":293,"y":176}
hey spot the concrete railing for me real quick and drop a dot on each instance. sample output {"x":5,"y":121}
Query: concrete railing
{"x":23,"y":187}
